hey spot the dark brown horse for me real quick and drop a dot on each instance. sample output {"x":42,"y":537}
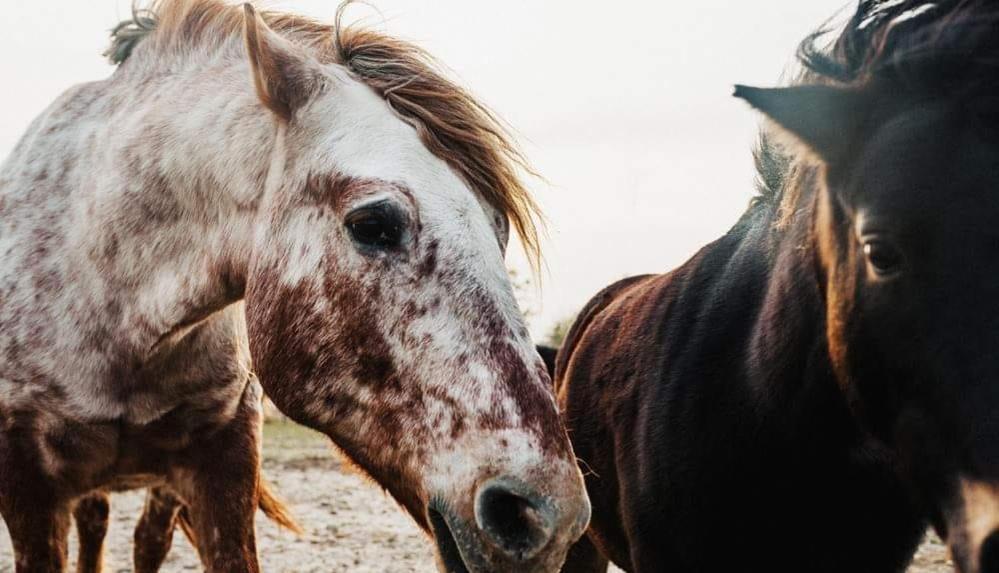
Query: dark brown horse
{"x":812,"y":389}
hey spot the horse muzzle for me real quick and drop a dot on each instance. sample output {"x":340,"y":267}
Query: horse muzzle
{"x":510,"y":527}
{"x":973,"y":528}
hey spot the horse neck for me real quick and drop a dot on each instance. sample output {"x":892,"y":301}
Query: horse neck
{"x":788,"y":362}
{"x":172,"y":213}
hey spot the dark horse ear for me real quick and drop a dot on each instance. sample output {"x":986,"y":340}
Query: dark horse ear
{"x":284,"y":75}
{"x":825,"y":119}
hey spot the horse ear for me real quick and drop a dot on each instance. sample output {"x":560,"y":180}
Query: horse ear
{"x":285,"y":76}
{"x":825,"y":119}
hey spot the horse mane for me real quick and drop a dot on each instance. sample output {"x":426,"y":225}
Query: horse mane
{"x":451,"y":122}
{"x":913,"y":48}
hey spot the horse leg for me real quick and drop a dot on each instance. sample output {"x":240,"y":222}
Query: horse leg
{"x":584,"y":557}
{"x":218,"y":479}
{"x":37,"y":515}
{"x":221,"y":503}
{"x":38,"y":523}
{"x":38,"y":532}
{"x":154,"y":532}
{"x":91,"y":514}
{"x":39,"y":536}
{"x":164,"y":512}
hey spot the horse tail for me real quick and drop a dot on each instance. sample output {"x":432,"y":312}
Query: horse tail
{"x":276,"y":510}
{"x":269,"y":503}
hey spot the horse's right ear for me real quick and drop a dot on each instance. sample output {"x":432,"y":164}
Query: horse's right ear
{"x":825,"y":119}
{"x":285,"y":76}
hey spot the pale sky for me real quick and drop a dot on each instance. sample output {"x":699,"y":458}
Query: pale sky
{"x":624,"y":107}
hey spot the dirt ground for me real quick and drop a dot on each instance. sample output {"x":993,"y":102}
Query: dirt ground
{"x":350,"y":525}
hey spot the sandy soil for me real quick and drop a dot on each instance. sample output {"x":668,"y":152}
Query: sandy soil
{"x":350,"y":524}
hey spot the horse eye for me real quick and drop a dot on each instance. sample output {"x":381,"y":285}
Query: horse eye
{"x":883,"y":257}
{"x":377,"y":226}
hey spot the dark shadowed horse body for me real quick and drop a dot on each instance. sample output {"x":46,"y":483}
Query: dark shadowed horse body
{"x":812,"y":389}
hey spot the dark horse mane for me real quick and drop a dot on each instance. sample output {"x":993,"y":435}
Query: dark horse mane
{"x":910,"y":48}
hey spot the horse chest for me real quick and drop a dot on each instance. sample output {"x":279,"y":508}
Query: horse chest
{"x":117,"y":454}
{"x":144,"y":419}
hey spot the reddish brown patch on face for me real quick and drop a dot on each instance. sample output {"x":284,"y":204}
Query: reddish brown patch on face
{"x":371,"y":362}
{"x":428,"y":264}
{"x":287,"y":349}
{"x":534,"y":398}
{"x":110,"y":250}
{"x":339,"y":191}
{"x":451,"y":407}
{"x":330,"y":188}
{"x":307,"y":358}
{"x":413,"y":310}
{"x":42,"y":238}
{"x":47,"y":280}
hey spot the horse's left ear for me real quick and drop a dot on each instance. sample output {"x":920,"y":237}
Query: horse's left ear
{"x":285,"y":76}
{"x":825,"y":119}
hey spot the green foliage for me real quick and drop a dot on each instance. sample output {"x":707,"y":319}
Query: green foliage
{"x":524,"y":292}
{"x":556,"y":335}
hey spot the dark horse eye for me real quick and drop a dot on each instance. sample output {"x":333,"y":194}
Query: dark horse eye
{"x":378,"y":226}
{"x":883,"y":257}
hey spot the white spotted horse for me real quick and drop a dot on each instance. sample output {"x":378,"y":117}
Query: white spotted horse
{"x":320,"y":198}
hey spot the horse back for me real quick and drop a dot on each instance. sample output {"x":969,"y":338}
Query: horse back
{"x":579,"y":327}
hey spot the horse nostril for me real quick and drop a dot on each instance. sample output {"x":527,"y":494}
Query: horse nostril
{"x":518,"y":524}
{"x":988,"y":555}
